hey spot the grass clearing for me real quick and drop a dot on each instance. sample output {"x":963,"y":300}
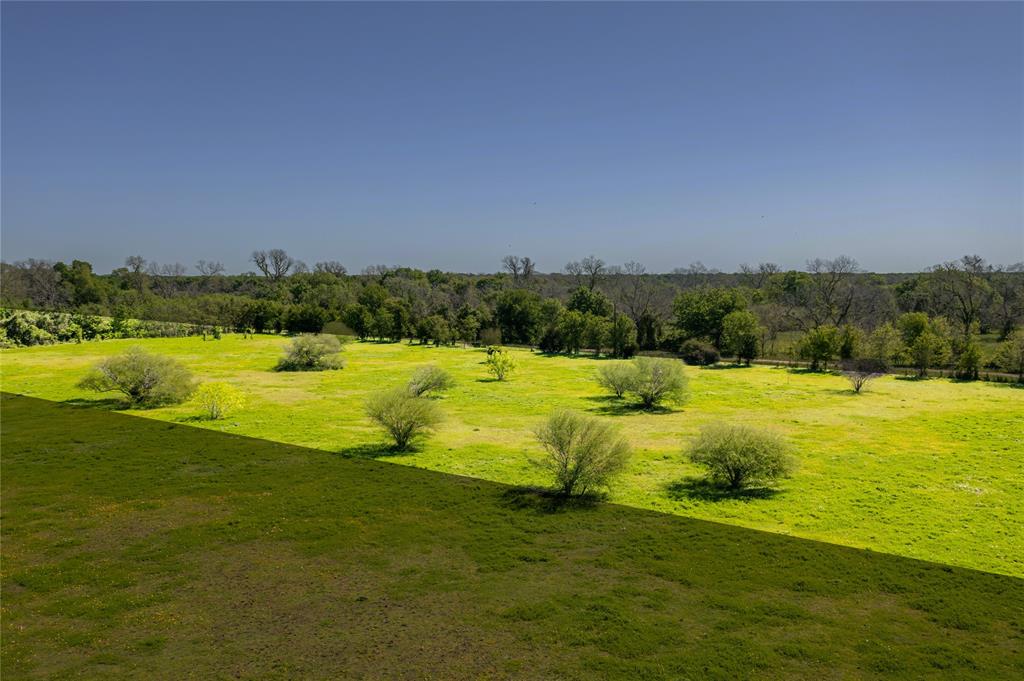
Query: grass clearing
{"x":927,"y":469}
{"x":136,"y":548}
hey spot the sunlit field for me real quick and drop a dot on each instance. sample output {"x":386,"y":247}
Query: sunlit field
{"x":929,"y":469}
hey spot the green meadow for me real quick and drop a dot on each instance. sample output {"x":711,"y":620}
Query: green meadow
{"x":930,"y":469}
{"x":134,"y":548}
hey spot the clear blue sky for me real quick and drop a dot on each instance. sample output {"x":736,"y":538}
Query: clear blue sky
{"x":447,"y":135}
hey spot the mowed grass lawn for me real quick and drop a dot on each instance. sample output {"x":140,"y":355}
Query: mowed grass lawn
{"x":134,"y":548}
{"x":928,"y":469}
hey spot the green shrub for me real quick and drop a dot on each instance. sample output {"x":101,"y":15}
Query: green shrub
{"x":1010,"y":355}
{"x":698,"y":353}
{"x":500,"y":363}
{"x":430,"y":379}
{"x":219,"y":399}
{"x":618,"y":378}
{"x":403,"y":417}
{"x":583,"y":453}
{"x":658,"y":381}
{"x":741,"y":334}
{"x":145,"y":379}
{"x":738,"y":455}
{"x":312,"y":353}
{"x":819,"y":346}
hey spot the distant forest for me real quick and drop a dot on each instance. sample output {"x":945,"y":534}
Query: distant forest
{"x":590,"y":305}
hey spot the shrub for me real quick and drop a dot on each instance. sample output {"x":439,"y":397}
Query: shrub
{"x":819,"y":346}
{"x":403,"y":416}
{"x":740,"y":335}
{"x":500,"y":363}
{"x":860,"y":371}
{"x":622,"y":335}
{"x":218,"y":399}
{"x":738,"y":455}
{"x":698,"y":353}
{"x":430,"y":379}
{"x":311,"y":353}
{"x":884,"y":346}
{"x":658,"y":380}
{"x":145,"y":379}
{"x":583,"y":453}
{"x":617,"y":378}
{"x":1010,"y":356}
{"x":968,"y":359}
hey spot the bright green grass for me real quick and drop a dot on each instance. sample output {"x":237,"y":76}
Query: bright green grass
{"x":928,"y":469}
{"x":138,"y":549}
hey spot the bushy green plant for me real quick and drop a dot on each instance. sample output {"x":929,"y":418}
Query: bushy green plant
{"x":1010,"y":355}
{"x":145,"y":379}
{"x":617,"y":378}
{"x":219,"y":399}
{"x":741,"y":334}
{"x":738,"y":455}
{"x":658,"y":380}
{"x":500,"y":363}
{"x":430,"y":379}
{"x":819,"y":346}
{"x":698,"y":353}
{"x":582,"y":453}
{"x":310,"y":352}
{"x":404,"y":417}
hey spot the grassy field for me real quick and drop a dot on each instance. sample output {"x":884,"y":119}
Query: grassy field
{"x":140,"y":549}
{"x":927,"y":469}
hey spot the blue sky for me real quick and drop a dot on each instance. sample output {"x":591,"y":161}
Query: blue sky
{"x":448,"y":135}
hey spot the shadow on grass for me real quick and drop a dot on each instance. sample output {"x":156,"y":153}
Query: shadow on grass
{"x":546,"y":500}
{"x":914,"y":378}
{"x":374,"y":450}
{"x":609,"y":405}
{"x":701,"y":489}
{"x":725,"y":366}
{"x":103,"y":403}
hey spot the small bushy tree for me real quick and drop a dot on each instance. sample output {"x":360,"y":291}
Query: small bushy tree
{"x":1010,"y":355}
{"x":404,"y":417}
{"x":617,"y":378}
{"x":740,"y":335}
{"x":430,"y":379}
{"x":145,"y":379}
{"x":818,"y":346}
{"x":500,"y":362}
{"x":859,"y":372}
{"x":698,"y":353}
{"x":658,"y":380}
{"x":622,"y":335}
{"x":219,"y":399}
{"x":312,"y":353}
{"x":738,"y":455}
{"x":583,"y":453}
{"x":968,"y":358}
{"x":884,"y":346}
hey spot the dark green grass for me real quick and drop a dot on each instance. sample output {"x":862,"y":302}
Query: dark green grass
{"x":136,"y":548}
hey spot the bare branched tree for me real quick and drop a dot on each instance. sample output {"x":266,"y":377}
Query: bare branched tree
{"x":210,"y":268}
{"x":963,"y":288}
{"x":575,"y":270}
{"x":274,"y":264}
{"x":330,"y":267}
{"x":831,"y":289}
{"x":594,"y":268}
{"x":512,"y":265}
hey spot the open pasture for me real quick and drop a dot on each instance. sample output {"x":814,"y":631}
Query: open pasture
{"x":927,"y":469}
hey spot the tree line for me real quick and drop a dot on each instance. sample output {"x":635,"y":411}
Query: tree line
{"x":590,"y":305}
